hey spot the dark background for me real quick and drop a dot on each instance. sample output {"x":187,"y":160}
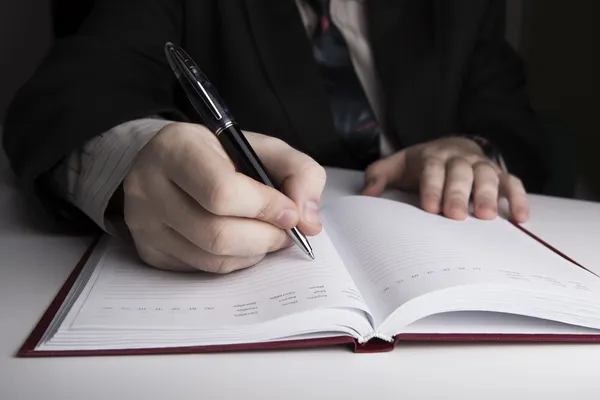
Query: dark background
{"x":558,"y":40}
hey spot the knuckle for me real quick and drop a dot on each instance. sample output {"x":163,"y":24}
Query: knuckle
{"x":432,"y":152}
{"x":517,"y":181}
{"x":222,"y":265}
{"x":220,"y":242}
{"x":454,"y":193}
{"x":166,"y":134}
{"x":271,"y":202}
{"x":265,"y":211}
{"x":459,"y":162}
{"x":485,"y":176}
{"x":433,"y":163}
{"x":432,"y":186}
{"x":512,"y":180}
{"x":315,"y":170}
{"x":473,"y":159}
{"x":432,"y":195}
{"x":484,"y":194}
{"x":220,"y":196}
{"x":310,"y":168}
{"x":315,"y":173}
{"x":318,"y":175}
{"x":162,"y":143}
{"x":225,"y":266}
{"x":145,"y":255}
{"x":482,"y":164}
{"x":202,"y":261}
{"x":176,"y":144}
{"x":150,"y":257}
{"x":492,"y":180}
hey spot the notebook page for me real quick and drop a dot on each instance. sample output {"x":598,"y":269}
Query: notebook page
{"x":397,"y":252}
{"x":479,"y":322}
{"x":123,"y":293}
{"x":561,"y":222}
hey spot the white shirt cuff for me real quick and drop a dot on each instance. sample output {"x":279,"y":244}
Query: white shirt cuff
{"x":89,"y":177}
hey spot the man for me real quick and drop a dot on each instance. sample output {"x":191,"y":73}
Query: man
{"x":423,"y":94}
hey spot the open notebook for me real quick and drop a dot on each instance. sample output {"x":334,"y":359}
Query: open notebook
{"x":385,"y":271}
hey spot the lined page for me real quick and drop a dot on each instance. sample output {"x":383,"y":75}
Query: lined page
{"x":124,"y":293}
{"x":571,"y":226}
{"x":397,"y":252}
{"x":478,"y":322}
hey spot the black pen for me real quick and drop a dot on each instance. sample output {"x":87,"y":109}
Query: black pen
{"x":217,"y":118}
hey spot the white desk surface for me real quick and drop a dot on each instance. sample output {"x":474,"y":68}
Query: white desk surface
{"x":34,"y":262}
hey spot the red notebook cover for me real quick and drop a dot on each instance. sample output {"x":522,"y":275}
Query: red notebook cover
{"x":373,"y":346}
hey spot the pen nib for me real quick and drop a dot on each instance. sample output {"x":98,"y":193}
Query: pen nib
{"x":301,"y":241}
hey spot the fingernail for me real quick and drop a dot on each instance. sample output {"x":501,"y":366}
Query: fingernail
{"x":286,"y":219}
{"x":522,"y":210}
{"x":521,"y":214}
{"x":458,"y":209}
{"x":311,"y":213}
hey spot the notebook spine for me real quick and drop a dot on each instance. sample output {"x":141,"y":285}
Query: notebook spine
{"x":375,"y":335}
{"x":374,"y":342}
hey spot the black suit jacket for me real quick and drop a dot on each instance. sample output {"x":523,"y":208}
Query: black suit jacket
{"x":444,"y":66}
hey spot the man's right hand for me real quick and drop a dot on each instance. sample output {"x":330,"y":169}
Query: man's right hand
{"x":188,"y":209}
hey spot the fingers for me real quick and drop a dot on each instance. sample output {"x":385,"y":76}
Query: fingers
{"x":146,"y":233}
{"x":219,"y":245}
{"x":486,"y":182}
{"x":211,"y":180}
{"x":383,"y":172}
{"x":176,"y":247}
{"x":298,"y":176}
{"x":512,"y":188}
{"x":457,"y":191}
{"x":187,"y":208}
{"x":174,"y":253}
{"x":226,"y":236}
{"x":485,"y":190}
{"x":449,"y":172}
{"x":432,"y":181}
{"x":160,"y":260}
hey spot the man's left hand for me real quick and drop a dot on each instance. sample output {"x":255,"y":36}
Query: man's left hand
{"x":448,"y":172}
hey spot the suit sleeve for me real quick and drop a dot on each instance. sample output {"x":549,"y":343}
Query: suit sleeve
{"x":494,"y":103}
{"x":113,"y":70}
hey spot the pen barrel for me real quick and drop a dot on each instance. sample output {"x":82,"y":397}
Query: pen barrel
{"x":242,"y":155}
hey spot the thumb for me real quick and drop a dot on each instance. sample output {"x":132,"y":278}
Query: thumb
{"x":300,"y":178}
{"x":383,"y":172}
